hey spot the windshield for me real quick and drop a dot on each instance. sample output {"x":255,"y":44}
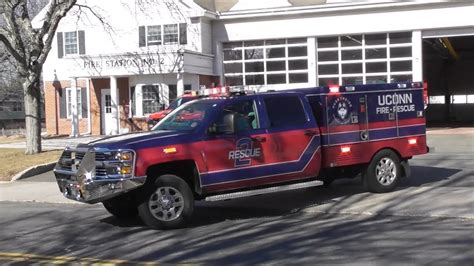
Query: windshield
{"x":174,"y":104}
{"x":187,"y":117}
{"x":178,"y":102}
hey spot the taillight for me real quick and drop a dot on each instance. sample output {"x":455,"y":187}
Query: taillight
{"x":412,"y":141}
{"x":345,"y":149}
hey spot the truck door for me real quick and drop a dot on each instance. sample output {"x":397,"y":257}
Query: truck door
{"x":233,"y":160}
{"x":293,"y":135}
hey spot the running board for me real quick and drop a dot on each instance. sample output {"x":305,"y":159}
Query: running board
{"x":242,"y":194}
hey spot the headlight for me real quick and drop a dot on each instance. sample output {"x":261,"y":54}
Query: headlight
{"x":124,"y":156}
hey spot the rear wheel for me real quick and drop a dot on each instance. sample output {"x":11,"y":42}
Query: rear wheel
{"x":122,"y":207}
{"x":169,"y":204}
{"x":383,"y":172}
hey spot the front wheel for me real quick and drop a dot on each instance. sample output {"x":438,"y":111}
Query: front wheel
{"x":122,"y":207}
{"x":383,"y":173}
{"x":170,"y":204}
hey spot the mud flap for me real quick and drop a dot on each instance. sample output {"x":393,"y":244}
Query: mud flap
{"x":406,"y":170}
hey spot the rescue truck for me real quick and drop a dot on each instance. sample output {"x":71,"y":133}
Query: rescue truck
{"x":228,"y":146}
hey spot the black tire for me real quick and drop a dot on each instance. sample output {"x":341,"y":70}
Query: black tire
{"x":383,"y":173}
{"x":170,"y":204}
{"x":122,"y":207}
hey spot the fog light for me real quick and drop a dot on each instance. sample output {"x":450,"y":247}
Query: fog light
{"x":125,"y":170}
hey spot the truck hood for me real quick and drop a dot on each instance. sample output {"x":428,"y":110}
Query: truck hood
{"x":139,"y":140}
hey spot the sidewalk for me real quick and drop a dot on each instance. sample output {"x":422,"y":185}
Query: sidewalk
{"x":54,"y":143}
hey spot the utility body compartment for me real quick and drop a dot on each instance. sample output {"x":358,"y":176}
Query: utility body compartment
{"x":356,"y":121}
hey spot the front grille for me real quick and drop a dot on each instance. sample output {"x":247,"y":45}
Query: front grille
{"x":100,"y":171}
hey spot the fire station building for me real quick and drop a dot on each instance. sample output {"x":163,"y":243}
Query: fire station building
{"x":107,"y":77}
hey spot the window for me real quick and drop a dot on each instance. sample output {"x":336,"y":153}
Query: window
{"x":69,"y":102}
{"x":245,"y":115}
{"x":70,"y":43}
{"x":167,"y":34}
{"x":170,"y":35}
{"x":154,"y":35}
{"x":266,"y":62}
{"x":285,"y":111}
{"x":317,"y":108}
{"x":369,"y":58}
{"x":17,"y":107}
{"x":151,"y":99}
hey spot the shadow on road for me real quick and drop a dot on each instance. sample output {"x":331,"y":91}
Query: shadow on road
{"x":269,"y":228}
{"x":293,"y":202}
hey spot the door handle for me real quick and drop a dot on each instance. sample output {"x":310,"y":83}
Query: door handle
{"x":258,"y":138}
{"x":310,"y":132}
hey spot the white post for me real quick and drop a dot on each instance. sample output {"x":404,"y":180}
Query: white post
{"x":74,"y":117}
{"x":89,"y":119}
{"x":312,"y":62}
{"x":114,"y":102}
{"x":180,"y":83}
{"x":180,"y":75}
{"x":417,"y":51}
{"x":219,"y":63}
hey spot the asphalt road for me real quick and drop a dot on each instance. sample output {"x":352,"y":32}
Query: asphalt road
{"x":429,"y":220}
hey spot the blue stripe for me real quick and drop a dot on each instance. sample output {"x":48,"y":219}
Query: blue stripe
{"x":374,"y":134}
{"x":413,"y":130}
{"x":239,"y":174}
{"x":385,"y":133}
{"x":340,"y":138}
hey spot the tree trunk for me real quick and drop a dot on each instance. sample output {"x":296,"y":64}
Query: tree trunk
{"x":32,"y":114}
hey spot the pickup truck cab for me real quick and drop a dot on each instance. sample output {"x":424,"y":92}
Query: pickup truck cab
{"x":225,"y":147}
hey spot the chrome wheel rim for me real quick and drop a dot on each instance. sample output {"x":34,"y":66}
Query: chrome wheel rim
{"x":166,"y":204}
{"x":386,"y":171}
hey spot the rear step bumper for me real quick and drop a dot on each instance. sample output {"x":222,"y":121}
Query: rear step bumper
{"x":242,"y":194}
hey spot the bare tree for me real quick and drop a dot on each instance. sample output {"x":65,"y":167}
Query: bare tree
{"x":29,"y":46}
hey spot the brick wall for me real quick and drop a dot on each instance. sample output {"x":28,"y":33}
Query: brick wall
{"x":53,"y":91}
{"x":62,"y":126}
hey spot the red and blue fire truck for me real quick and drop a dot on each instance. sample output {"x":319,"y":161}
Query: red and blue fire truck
{"x":240,"y":144}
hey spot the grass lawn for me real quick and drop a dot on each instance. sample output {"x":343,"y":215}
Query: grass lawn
{"x":13,"y":161}
{"x":11,"y":139}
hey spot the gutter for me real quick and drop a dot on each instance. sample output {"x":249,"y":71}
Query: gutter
{"x":323,"y":9}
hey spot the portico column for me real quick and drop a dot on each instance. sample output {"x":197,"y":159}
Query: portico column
{"x":180,"y":75}
{"x":180,"y":83}
{"x":73,"y":111}
{"x":114,"y":102}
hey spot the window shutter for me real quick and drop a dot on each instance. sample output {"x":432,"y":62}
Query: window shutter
{"x":84,"y":102}
{"x":141,"y":36}
{"x":62,"y":104}
{"x":60,"y":45}
{"x":82,"y":42}
{"x":132,"y":92}
{"x":183,"y":38}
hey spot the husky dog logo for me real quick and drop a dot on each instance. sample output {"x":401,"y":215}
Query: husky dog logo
{"x":341,"y":110}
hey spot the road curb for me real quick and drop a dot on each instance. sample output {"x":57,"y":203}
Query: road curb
{"x":34,"y":170}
